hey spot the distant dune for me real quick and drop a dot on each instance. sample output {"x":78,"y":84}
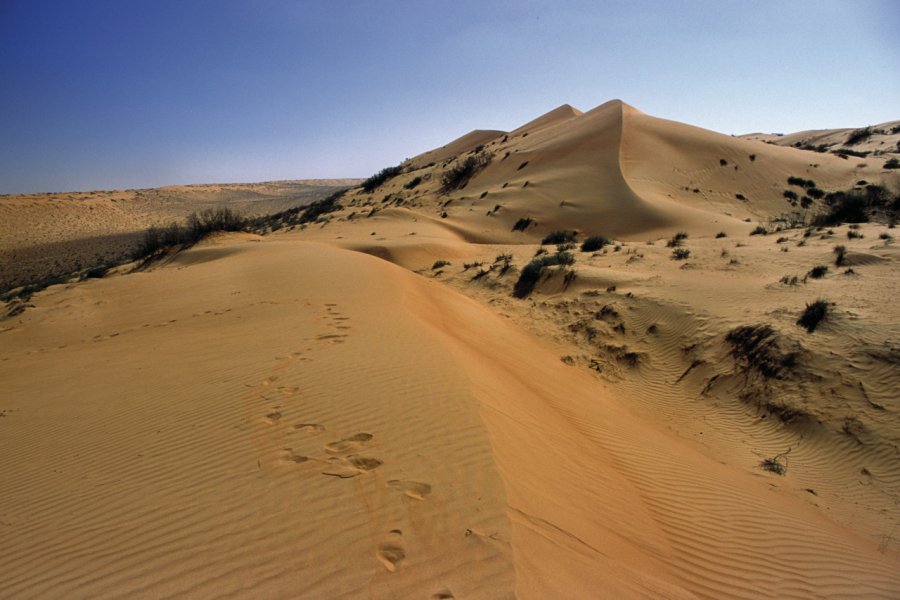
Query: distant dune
{"x":358,"y":405}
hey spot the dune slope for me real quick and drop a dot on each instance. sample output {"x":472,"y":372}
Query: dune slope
{"x":293,"y":419}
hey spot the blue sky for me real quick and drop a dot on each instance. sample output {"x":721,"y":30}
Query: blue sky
{"x":102,"y":94}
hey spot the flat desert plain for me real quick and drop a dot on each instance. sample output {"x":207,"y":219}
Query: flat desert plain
{"x":408,"y":395}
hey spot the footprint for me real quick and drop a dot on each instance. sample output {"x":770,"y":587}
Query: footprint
{"x":274,"y":416}
{"x":391,"y":551}
{"x":412,"y":489}
{"x":337,"y":337}
{"x":348,"y":444}
{"x":351,"y":466}
{"x":309,"y":427}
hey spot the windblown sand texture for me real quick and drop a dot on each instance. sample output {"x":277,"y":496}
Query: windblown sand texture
{"x":323,"y":413}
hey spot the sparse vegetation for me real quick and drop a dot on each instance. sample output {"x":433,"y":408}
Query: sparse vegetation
{"x":375,"y":181}
{"x":813,"y":315}
{"x":892,"y":163}
{"x":759,"y":230}
{"x":799,"y":181}
{"x":532,"y":272}
{"x":853,"y":234}
{"x":198,"y":225}
{"x":438,"y":264}
{"x":458,"y":176}
{"x":777,"y":464}
{"x":721,"y":234}
{"x":594,"y":243}
{"x":680,"y":253}
{"x":817,"y":272}
{"x":677,"y":239}
{"x":860,"y":206}
{"x":559,"y":237}
{"x":412,"y":183}
{"x":522,"y":224}
{"x":757,"y":348}
{"x":859,"y":135}
{"x":741,"y":197}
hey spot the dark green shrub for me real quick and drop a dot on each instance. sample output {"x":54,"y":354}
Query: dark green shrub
{"x":818,"y":272}
{"x":892,"y":163}
{"x":677,"y":239}
{"x":559,"y":237}
{"x":859,"y":135}
{"x":522,"y":224}
{"x":594,"y":243}
{"x":790,"y":194}
{"x":813,"y":315}
{"x":532,"y":272}
{"x":412,"y":183}
{"x":815,"y":193}
{"x":375,"y":181}
{"x":759,"y":230}
{"x":458,"y":176}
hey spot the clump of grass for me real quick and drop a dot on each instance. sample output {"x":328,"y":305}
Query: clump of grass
{"x":677,"y":240}
{"x":781,"y":240}
{"x":854,"y":235}
{"x":813,"y":315}
{"x":759,"y":230}
{"x":818,"y":272}
{"x":522,"y":224}
{"x":777,"y":464}
{"x":532,"y":272}
{"x":680,"y":253}
{"x":790,"y":280}
{"x":757,"y":348}
{"x":559,"y":237}
{"x":594,"y":243}
{"x":438,"y":264}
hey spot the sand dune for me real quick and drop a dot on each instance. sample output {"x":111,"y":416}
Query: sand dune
{"x":359,"y":407}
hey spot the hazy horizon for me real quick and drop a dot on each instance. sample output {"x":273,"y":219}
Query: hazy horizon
{"x":109,"y":96}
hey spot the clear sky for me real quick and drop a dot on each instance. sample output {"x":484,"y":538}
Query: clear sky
{"x":101,"y":94}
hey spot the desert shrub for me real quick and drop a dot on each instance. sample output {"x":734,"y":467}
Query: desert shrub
{"x":721,"y":234}
{"x":677,"y":239}
{"x":818,"y":272}
{"x":840,"y":253}
{"x":845,"y":152}
{"x":752,"y":157}
{"x":813,"y":315}
{"x":860,"y":206}
{"x":412,"y":183}
{"x":790,"y":194}
{"x":532,"y":272}
{"x":854,"y":235}
{"x":522,"y":224}
{"x":892,"y":163}
{"x":214,"y":219}
{"x":859,"y":135}
{"x":741,"y":197}
{"x":723,"y":162}
{"x":559,"y":237}
{"x":759,"y":230}
{"x":790,"y":280}
{"x":806,"y":202}
{"x":799,"y":181}
{"x":439,"y":264}
{"x":458,"y":176}
{"x":757,"y":348}
{"x":781,"y":240}
{"x":680,"y":253}
{"x":594,"y":243}
{"x":375,"y":181}
{"x":885,"y":236}
{"x":815,"y":193}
